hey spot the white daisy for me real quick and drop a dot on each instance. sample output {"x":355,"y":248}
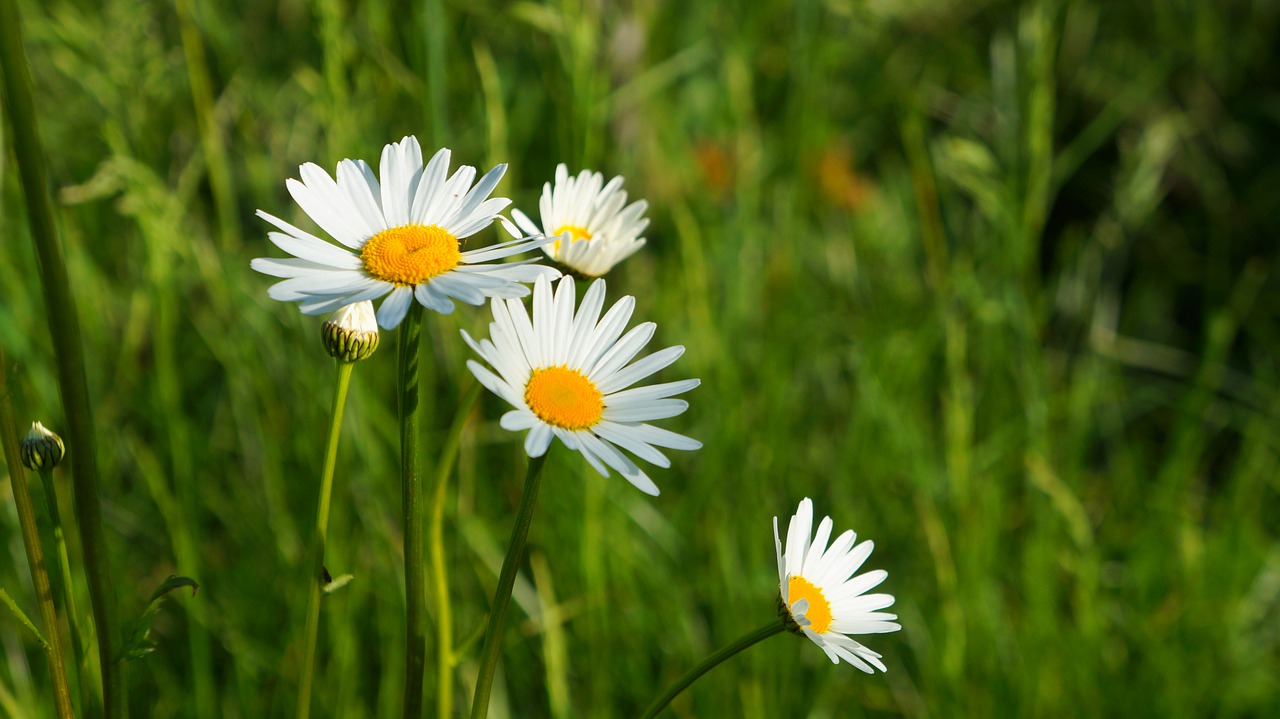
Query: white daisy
{"x":567,"y":376}
{"x":595,"y":231}
{"x":823,"y":598}
{"x":402,"y":237}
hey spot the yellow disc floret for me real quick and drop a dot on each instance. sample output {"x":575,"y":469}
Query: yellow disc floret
{"x":410,"y":254}
{"x":576,"y":232}
{"x":819,"y":613}
{"x":564,"y":397}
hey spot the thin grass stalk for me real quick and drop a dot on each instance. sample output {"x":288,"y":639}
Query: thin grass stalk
{"x":212,"y":145}
{"x":502,"y":593}
{"x":315,"y":564}
{"x":64,"y":589}
{"x":68,"y":352}
{"x":35,"y":552}
{"x":747,"y":640}
{"x":439,"y":571}
{"x":410,"y":482}
{"x":435,"y":31}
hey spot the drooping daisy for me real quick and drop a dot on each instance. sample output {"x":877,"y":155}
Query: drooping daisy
{"x":822,"y":597}
{"x":567,"y":375}
{"x":403,"y":238}
{"x":594,"y":230}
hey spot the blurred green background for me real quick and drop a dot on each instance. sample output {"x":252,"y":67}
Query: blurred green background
{"x":993,"y":282}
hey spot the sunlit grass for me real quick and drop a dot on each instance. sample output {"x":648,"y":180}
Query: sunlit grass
{"x":991,"y":282}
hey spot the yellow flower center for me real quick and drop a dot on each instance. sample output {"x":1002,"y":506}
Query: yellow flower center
{"x":819,"y":614}
{"x":564,"y":398}
{"x":410,"y":254}
{"x":576,"y":232}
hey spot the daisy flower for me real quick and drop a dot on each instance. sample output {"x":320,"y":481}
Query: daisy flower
{"x":819,"y":593}
{"x":567,"y":375}
{"x":401,"y":237}
{"x":594,"y":230}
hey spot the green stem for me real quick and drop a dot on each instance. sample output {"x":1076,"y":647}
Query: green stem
{"x":68,"y":352}
{"x":502,"y":594}
{"x":774,"y":627}
{"x":410,"y":481}
{"x":64,"y":588}
{"x":35,"y":554}
{"x":315,"y":563}
{"x":440,"y":572}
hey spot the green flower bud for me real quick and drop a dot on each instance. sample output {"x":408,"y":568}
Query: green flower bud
{"x":41,"y":449}
{"x":351,"y":334}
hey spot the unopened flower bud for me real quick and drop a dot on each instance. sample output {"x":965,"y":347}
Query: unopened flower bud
{"x":41,"y":449}
{"x":351,"y":334}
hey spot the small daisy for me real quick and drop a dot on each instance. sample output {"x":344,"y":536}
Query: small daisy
{"x":403,"y":238}
{"x":567,"y":376}
{"x":595,"y":231}
{"x":822,"y":597}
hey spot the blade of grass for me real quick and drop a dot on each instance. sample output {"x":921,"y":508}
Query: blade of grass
{"x":68,"y":352}
{"x":35,"y":552}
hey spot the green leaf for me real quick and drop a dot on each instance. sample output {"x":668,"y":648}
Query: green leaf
{"x":138,"y":643}
{"x":22,"y":617}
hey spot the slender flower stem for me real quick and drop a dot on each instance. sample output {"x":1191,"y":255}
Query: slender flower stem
{"x":774,"y":627}
{"x":502,"y":594}
{"x":410,"y":481}
{"x":64,"y":588}
{"x":68,"y":352}
{"x":439,"y":571}
{"x":315,"y":563}
{"x":35,"y":554}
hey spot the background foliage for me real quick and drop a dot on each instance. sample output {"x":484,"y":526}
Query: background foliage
{"x":993,"y":282}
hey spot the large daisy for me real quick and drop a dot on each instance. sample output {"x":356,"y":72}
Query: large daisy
{"x":820,"y":595}
{"x":594,"y":231}
{"x":402,"y":238}
{"x":567,"y":375}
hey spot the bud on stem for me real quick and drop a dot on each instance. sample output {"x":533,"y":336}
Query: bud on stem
{"x":41,"y":449}
{"x":351,"y":334}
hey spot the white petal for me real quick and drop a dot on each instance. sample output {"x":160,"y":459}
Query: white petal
{"x":393,"y":309}
{"x":495,"y":384}
{"x":646,"y":411}
{"x":604,"y":334}
{"x":648,"y":392}
{"x":353,"y":178}
{"x":618,"y":435}
{"x":622,"y":351}
{"x":315,"y":250}
{"x":659,"y":437}
{"x":457,"y":286}
{"x":432,"y":182}
{"x":817,"y":547}
{"x":323,"y":201}
{"x":538,"y":439}
{"x":798,"y":535}
{"x":518,"y":420}
{"x":431,"y":298}
{"x":628,"y":376}
{"x":524,"y":223}
{"x":288,"y":267}
{"x":401,"y":167}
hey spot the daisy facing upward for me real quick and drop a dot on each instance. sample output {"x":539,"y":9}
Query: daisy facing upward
{"x":569,"y":376}
{"x":401,"y":237}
